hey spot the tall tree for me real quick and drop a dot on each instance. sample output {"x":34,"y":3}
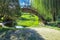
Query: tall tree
{"x":9,"y":9}
{"x":48,"y":8}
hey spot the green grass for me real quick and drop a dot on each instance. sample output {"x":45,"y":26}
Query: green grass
{"x":27,"y":23}
{"x":28,"y":19}
{"x":53,"y":27}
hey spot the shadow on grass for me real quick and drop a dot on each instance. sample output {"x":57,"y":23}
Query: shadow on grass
{"x":22,"y":34}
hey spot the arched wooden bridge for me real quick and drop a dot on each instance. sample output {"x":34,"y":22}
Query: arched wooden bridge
{"x":34,"y":11}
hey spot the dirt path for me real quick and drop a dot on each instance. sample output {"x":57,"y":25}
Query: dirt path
{"x":48,"y":34}
{"x":30,"y":34}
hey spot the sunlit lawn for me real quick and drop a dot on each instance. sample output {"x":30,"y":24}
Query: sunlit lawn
{"x":28,"y":20}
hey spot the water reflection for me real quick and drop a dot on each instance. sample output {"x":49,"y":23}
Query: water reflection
{"x":19,"y":26}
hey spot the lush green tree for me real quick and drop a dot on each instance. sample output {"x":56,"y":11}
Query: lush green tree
{"x":48,"y":8}
{"x":9,"y":9}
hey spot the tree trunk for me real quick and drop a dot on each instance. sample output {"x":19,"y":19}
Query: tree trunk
{"x":54,"y":16}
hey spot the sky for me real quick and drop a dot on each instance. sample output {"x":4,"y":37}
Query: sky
{"x":24,"y":2}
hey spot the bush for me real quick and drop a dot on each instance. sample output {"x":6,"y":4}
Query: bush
{"x":57,"y":23}
{"x":52,"y":24}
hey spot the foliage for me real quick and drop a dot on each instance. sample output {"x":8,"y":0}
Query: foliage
{"x":40,"y":6}
{"x":9,"y":11}
{"x":28,"y":19}
{"x":9,"y":8}
{"x":48,"y":8}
